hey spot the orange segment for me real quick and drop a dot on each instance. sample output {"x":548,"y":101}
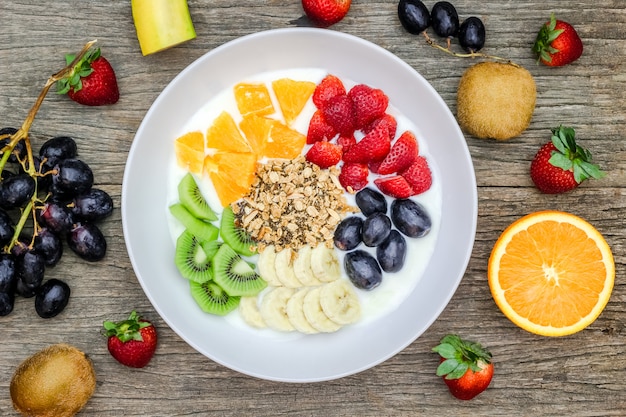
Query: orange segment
{"x":257,"y":130}
{"x":224,"y":135}
{"x":292,"y":96}
{"x":232,"y":174}
{"x":551,"y":273}
{"x":189,"y":150}
{"x":253,"y":99}
{"x":284,"y":142}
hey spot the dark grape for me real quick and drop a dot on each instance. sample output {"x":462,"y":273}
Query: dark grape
{"x":50,"y":245}
{"x":370,"y":201}
{"x":15,"y":191}
{"x":472,"y":34}
{"x":413,"y":15}
{"x":7,"y":301}
{"x":6,"y":228}
{"x":444,"y":19}
{"x":20,"y":147}
{"x":363,"y":270}
{"x":87,"y":241}
{"x":95,"y":204}
{"x":348,"y":233}
{"x":51,"y":298}
{"x":391,"y":253}
{"x":410,"y":218}
{"x":56,"y":217}
{"x":8,"y":276}
{"x":57,"y":149}
{"x":376,"y":228}
{"x":30,"y":268}
{"x":71,"y":178}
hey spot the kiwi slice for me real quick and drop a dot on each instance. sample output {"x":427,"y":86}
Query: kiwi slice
{"x":212,"y":298}
{"x":234,"y":274}
{"x":193,"y":200}
{"x":191,"y":257}
{"x":200,"y":228}
{"x":236,"y":237}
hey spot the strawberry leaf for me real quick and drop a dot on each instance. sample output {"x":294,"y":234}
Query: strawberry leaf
{"x":459,"y":371}
{"x":561,"y":161}
{"x":446,"y":367}
{"x":445,"y":350}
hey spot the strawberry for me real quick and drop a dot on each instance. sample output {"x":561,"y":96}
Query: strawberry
{"x":131,"y":342}
{"x":395,"y":186}
{"x":326,"y":12}
{"x":465,"y":366}
{"x":329,"y":87}
{"x":401,"y":156}
{"x":561,"y":165}
{"x":369,"y":104}
{"x":339,"y":114}
{"x":386,"y":119}
{"x":371,"y":148}
{"x":557,"y":43}
{"x":91,"y":82}
{"x":418,"y":175}
{"x":319,"y":129}
{"x":353,"y":177}
{"x":346,"y":142}
{"x":324,"y":154}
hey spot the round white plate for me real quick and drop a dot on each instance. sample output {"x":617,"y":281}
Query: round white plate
{"x":151,"y":250}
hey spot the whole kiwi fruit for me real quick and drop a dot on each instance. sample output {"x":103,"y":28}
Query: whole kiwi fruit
{"x":54,"y":382}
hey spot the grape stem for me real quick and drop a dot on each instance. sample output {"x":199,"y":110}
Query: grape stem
{"x":22,"y":134}
{"x":471,"y":54}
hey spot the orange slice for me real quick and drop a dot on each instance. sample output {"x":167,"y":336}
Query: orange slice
{"x":189,"y":150}
{"x":551,"y":273}
{"x":292,"y":96}
{"x":257,"y":130}
{"x":232,"y":174}
{"x":284,"y":142}
{"x":253,"y":99}
{"x":224,"y":135}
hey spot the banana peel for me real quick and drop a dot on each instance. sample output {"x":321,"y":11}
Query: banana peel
{"x":161,"y":24}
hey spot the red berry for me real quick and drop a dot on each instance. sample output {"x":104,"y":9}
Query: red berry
{"x":369,"y":104}
{"x":319,"y":129}
{"x":91,"y":82}
{"x":346,"y":142}
{"x":557,"y":43}
{"x":371,"y":148}
{"x":396,"y":186}
{"x":324,"y":154}
{"x":131,"y":342}
{"x":339,"y":114}
{"x":387,"y":120}
{"x":353,"y":176}
{"x":328,"y":88}
{"x":326,"y":12}
{"x":418,"y":175}
{"x":401,"y":156}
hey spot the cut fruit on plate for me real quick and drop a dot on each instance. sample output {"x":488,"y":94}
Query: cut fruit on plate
{"x":551,"y":273}
{"x":224,"y":135}
{"x":189,"y":149}
{"x":292,"y":96}
{"x":253,"y":98}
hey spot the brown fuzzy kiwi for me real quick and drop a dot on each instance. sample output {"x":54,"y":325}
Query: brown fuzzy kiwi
{"x":54,"y":382}
{"x":496,"y":100}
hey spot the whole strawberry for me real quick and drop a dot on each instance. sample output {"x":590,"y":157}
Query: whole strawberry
{"x":326,"y":12}
{"x":465,"y":366}
{"x":92,"y":81}
{"x":561,"y":165}
{"x":131,"y":342}
{"x":557,"y":43}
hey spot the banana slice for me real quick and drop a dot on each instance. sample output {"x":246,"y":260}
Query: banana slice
{"x":283,"y":264}
{"x":325,"y":263}
{"x":249,"y":311}
{"x":274,"y":309}
{"x":296,"y":314}
{"x":315,"y":315}
{"x":339,"y":302}
{"x":265,"y":264}
{"x":302,"y":267}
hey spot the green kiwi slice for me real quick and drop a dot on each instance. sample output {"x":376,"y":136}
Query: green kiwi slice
{"x":192,"y":258}
{"x":234,"y":274}
{"x":200,"y":228}
{"x":212,"y":298}
{"x":236,"y":237}
{"x":193,"y":200}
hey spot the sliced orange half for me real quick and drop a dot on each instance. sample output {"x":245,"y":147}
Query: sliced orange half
{"x":232,"y":174}
{"x":257,"y":130}
{"x":189,"y":150}
{"x":284,"y":142}
{"x":224,"y":135}
{"x":292,"y":96}
{"x":253,"y":98}
{"x":551,"y":273}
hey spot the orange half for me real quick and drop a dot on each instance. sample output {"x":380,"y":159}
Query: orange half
{"x":292,"y":96}
{"x":232,"y":174}
{"x":551,"y":273}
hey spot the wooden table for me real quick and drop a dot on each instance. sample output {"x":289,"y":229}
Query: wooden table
{"x":580,"y":375}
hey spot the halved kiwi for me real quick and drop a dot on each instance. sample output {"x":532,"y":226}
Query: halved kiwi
{"x":212,"y":298}
{"x":234,"y":274}
{"x":191,"y":197}
{"x":200,"y":228}
{"x":236,"y":237}
{"x":191,"y":257}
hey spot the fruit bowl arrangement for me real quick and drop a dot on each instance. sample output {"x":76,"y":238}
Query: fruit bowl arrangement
{"x":146,"y":197}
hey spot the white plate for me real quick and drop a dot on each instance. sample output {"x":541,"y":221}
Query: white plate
{"x":144,"y":192}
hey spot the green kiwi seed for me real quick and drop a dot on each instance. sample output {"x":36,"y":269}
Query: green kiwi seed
{"x":234,"y":274}
{"x":191,"y":197}
{"x":212,"y":298}
{"x":236,"y":237}
{"x":192,"y":259}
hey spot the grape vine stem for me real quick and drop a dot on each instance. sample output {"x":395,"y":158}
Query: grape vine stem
{"x":471,"y":54}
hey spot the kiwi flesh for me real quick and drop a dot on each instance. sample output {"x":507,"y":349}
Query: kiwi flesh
{"x":234,"y":274}
{"x":191,"y":257}
{"x":200,"y":228}
{"x":236,"y":237}
{"x":54,"y":382}
{"x":212,"y":298}
{"x":191,"y":197}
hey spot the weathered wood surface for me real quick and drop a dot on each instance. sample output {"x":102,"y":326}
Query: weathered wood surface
{"x":582,"y":375}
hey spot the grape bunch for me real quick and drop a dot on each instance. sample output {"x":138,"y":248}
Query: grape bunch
{"x":45,"y":199}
